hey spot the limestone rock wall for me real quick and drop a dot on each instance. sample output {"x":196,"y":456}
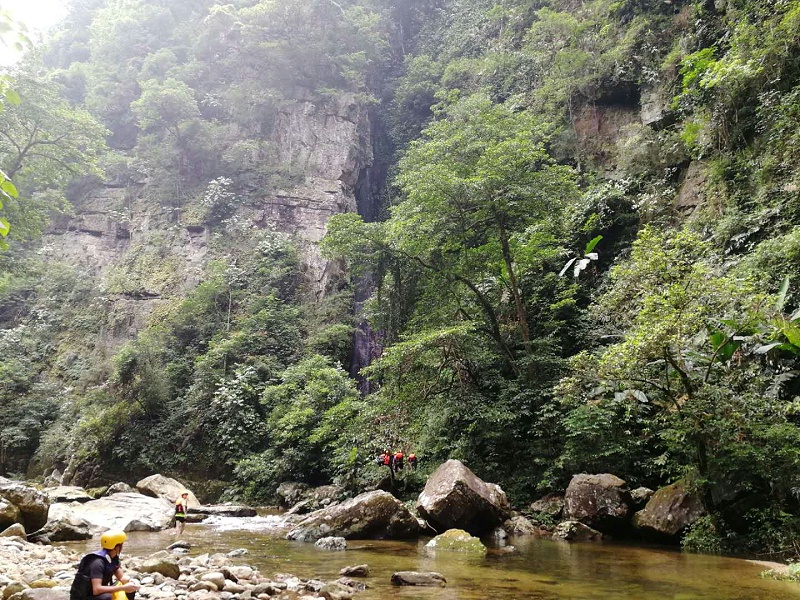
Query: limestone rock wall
{"x":117,"y":230}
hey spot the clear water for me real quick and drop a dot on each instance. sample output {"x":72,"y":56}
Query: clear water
{"x":541,"y":569}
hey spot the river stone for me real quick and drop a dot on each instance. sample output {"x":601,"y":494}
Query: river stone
{"x":128,"y":512}
{"x":419,"y":578}
{"x":43,"y":583}
{"x":158,"y":486}
{"x":12,"y":588}
{"x":15,"y":530}
{"x":67,"y":493}
{"x":166,"y":565}
{"x":456,"y":540}
{"x":454,"y":497}
{"x":551,"y":505}
{"x":599,"y":501}
{"x":371,"y":515}
{"x":215,"y":577}
{"x":640,"y":497}
{"x":575,"y":531}
{"x":519,"y":525}
{"x":355,"y":571}
{"x":56,"y":593}
{"x":669,"y":512}
{"x":32,"y":503}
{"x":331,"y":543}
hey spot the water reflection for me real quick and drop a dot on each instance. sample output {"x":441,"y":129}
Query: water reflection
{"x":541,"y":569}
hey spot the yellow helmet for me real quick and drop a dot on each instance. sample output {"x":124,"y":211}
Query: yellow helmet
{"x":111,"y":538}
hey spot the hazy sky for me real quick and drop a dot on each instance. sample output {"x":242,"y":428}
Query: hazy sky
{"x":37,"y":15}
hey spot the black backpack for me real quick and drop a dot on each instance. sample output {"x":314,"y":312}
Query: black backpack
{"x":81,"y":588}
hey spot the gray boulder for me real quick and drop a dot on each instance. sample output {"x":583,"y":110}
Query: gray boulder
{"x":158,"y":486}
{"x":67,"y":493}
{"x":599,"y":501}
{"x":372,"y":515}
{"x":640,"y":496}
{"x":15,"y":530}
{"x":32,"y":503}
{"x":519,"y":525}
{"x":129,"y":512}
{"x":455,"y":498}
{"x":430,"y":579}
{"x":575,"y":531}
{"x":669,"y":512}
{"x":62,"y":531}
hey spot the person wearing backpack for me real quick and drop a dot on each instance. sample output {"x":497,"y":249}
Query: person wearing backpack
{"x":97,"y":570}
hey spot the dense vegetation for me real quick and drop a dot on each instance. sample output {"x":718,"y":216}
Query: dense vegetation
{"x":584,"y":259}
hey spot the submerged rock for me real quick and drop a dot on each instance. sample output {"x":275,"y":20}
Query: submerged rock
{"x":372,"y":515}
{"x":355,"y":571}
{"x":599,"y":501}
{"x":429,"y":578}
{"x":454,"y":497}
{"x":456,"y":540}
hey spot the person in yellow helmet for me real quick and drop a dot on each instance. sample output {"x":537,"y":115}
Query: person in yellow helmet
{"x":97,"y":570}
{"x":181,"y":505}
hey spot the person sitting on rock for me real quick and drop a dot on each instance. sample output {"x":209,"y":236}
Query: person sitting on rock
{"x":181,"y":506}
{"x":97,"y":569}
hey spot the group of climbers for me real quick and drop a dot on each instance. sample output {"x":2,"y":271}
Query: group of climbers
{"x":395,"y":460}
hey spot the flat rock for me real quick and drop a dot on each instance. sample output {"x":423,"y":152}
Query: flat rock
{"x":355,"y":571}
{"x":429,"y":578}
{"x":67,"y":493}
{"x":128,"y":512}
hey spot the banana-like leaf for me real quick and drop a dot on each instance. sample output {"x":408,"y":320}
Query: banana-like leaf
{"x":592,"y":243}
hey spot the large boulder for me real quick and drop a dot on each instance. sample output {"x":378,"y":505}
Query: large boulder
{"x":669,"y":512}
{"x":599,"y":501}
{"x":129,"y":512}
{"x":158,"y":486}
{"x":120,"y":488}
{"x":455,"y":498}
{"x":372,"y":515}
{"x":550,"y":507}
{"x":67,"y":493}
{"x":9,"y":514}
{"x":32,"y":504}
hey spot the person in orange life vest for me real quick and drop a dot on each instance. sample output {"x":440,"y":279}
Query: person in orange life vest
{"x":387,"y":459}
{"x":181,"y":505}
{"x":398,"y":460}
{"x":96,"y":570}
{"x":412,"y":461}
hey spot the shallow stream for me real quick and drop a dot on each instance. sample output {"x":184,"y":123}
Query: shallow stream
{"x":541,"y":569}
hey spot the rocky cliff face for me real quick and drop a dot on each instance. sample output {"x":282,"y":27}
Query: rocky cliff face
{"x":145,"y":252}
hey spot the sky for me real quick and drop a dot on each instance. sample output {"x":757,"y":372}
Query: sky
{"x":37,"y":15}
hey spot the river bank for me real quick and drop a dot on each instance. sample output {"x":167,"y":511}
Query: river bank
{"x":41,"y":572}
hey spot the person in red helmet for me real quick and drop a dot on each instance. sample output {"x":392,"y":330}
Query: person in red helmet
{"x":97,"y":570}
